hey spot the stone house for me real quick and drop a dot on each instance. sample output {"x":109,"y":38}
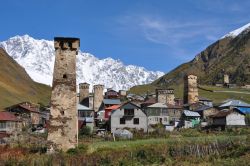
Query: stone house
{"x":174,"y":112}
{"x":206,"y":111}
{"x":157,"y":113}
{"x":130,"y":116}
{"x":228,"y":117}
{"x":27,"y":112}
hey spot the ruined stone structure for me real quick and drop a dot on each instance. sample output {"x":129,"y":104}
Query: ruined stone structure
{"x":190,"y":89}
{"x":98,"y":97}
{"x":226,"y":79}
{"x":84,"y":94}
{"x":62,"y":130}
{"x":165,"y":96}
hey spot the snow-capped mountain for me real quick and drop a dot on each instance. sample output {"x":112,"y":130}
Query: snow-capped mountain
{"x":238,"y":31}
{"x":37,"y":57}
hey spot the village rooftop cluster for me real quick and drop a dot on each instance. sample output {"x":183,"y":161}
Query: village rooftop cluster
{"x":113,"y":111}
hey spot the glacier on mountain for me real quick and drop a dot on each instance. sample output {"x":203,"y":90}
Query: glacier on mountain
{"x":37,"y":57}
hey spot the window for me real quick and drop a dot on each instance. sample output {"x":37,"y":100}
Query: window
{"x":64,"y":76}
{"x":3,"y":126}
{"x":156,"y":119}
{"x":122,"y":121}
{"x":129,"y":112}
{"x":136,"y":120}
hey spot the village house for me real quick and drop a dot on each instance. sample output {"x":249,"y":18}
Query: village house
{"x":206,"y":111}
{"x":130,"y":116}
{"x":28,"y":113}
{"x":85,"y":117}
{"x":174,"y":112}
{"x":9,"y":123}
{"x":189,"y":119}
{"x":111,"y":94}
{"x":242,"y":106}
{"x":228,"y":117}
{"x":157,"y":113}
{"x":148,"y":102}
{"x":206,"y":101}
{"x":108,"y":111}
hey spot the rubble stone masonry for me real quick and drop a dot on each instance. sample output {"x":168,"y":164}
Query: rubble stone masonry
{"x":190,"y":89}
{"x":62,"y":129}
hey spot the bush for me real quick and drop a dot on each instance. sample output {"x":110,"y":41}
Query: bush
{"x":86,"y":130}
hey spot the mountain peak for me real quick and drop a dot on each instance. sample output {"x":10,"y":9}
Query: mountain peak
{"x":37,"y":57}
{"x":238,"y":31}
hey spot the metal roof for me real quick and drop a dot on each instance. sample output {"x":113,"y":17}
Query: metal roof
{"x":202,"y":108}
{"x":82,"y":107}
{"x":112,"y":101}
{"x":158,"y":105}
{"x":191,"y":113}
{"x":237,"y":103}
{"x":7,"y":116}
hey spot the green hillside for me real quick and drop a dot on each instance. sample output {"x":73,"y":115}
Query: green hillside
{"x":226,"y":56}
{"x":16,"y":85}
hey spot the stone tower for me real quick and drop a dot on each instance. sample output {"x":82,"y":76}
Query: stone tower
{"x":161,"y":95}
{"x":98,"y":96}
{"x":170,"y":97}
{"x":226,"y":79}
{"x":165,"y":96}
{"x":190,"y":89}
{"x":84,"y":94}
{"x":62,"y":130}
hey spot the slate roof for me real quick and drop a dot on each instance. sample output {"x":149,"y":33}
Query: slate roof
{"x":202,"y":108}
{"x":158,"y":105}
{"x":191,"y":113}
{"x":224,"y":113}
{"x":236,"y":103}
{"x":112,"y":101}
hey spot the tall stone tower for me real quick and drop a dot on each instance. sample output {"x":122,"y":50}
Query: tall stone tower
{"x":62,"y":130}
{"x":226,"y":79}
{"x":170,"y":97}
{"x":84,"y":94}
{"x":98,"y":96}
{"x":190,"y":89}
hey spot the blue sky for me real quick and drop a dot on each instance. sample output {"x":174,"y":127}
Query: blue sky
{"x":155,"y":34}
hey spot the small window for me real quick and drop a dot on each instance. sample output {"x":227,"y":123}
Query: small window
{"x":122,"y":121}
{"x":65,"y":76}
{"x":136,"y":120}
{"x":62,"y":112}
{"x":129,"y":112}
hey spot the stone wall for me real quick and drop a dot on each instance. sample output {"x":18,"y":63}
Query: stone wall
{"x":62,"y":129}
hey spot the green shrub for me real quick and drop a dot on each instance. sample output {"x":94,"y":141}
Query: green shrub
{"x":86,"y":130}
